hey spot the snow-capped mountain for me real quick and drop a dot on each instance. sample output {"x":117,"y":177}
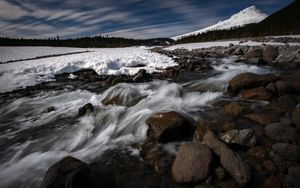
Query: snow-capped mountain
{"x":244,"y":17}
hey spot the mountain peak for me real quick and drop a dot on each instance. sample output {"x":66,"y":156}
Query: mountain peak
{"x":246,"y":16}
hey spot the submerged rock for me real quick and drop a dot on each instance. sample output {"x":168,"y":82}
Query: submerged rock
{"x":264,"y":118}
{"x":122,"y":94}
{"x":86,"y":109}
{"x":192,"y":163}
{"x":233,"y":108}
{"x":230,"y":160}
{"x":169,"y":126}
{"x":245,"y":137}
{"x":68,"y":172}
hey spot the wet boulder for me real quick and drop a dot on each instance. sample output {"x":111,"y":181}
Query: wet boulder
{"x":86,"y":109}
{"x":141,"y":76}
{"x":169,"y":126}
{"x":263,"y":117}
{"x":87,"y":75}
{"x":233,"y":108}
{"x":248,"y":81}
{"x":230,"y":160}
{"x":293,"y":176}
{"x":254,"y":55}
{"x":192,"y":163}
{"x":245,"y":137}
{"x":270,"y":53}
{"x":296,"y":116}
{"x":259,"y":93}
{"x":123,"y":95}
{"x":280,"y":132}
{"x":68,"y":172}
{"x":287,"y":151}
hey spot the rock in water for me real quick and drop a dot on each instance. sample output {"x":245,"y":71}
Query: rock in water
{"x":122,"y":94}
{"x":259,"y":93}
{"x":192,"y":163}
{"x":169,"y":126}
{"x":249,"y":81}
{"x":270,"y":53}
{"x":68,"y":172}
{"x":233,"y":108}
{"x":280,"y":132}
{"x":86,"y":109}
{"x":245,"y":137}
{"x":230,"y":160}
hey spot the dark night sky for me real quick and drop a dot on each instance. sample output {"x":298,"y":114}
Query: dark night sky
{"x":126,"y":18}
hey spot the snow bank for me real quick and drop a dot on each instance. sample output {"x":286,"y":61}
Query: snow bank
{"x":104,"y":61}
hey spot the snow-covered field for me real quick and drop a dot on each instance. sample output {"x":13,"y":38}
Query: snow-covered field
{"x":104,"y":61}
{"x":17,"y":53}
{"x":191,"y":46}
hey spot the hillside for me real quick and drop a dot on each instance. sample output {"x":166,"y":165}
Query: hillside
{"x":283,"y":22}
{"x":242,"y":18}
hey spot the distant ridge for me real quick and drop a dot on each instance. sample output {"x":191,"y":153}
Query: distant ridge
{"x":286,"y":21}
{"x":244,"y":17}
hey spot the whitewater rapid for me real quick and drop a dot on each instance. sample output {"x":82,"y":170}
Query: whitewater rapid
{"x":33,"y":137}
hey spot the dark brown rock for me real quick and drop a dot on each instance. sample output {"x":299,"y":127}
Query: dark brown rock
{"x":86,"y":109}
{"x":271,"y":182}
{"x":293,"y":176}
{"x":233,"y":108}
{"x":87,"y":75}
{"x":280,"y":132}
{"x":254,"y":55}
{"x":296,"y":116}
{"x":258,"y":152}
{"x":283,"y":87}
{"x":169,"y":126}
{"x":270,"y":53}
{"x":230,"y":160}
{"x":192,"y":163}
{"x":287,"y":151}
{"x":68,"y":172}
{"x":259,"y":93}
{"x":249,"y":81}
{"x":263,"y":118}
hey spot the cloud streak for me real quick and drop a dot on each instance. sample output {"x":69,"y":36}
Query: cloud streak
{"x":130,"y":18}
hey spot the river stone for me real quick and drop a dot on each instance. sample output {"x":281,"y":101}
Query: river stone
{"x":287,"y":151}
{"x":249,"y":80}
{"x":233,"y":108}
{"x":192,"y":163}
{"x":263,"y":118}
{"x":259,"y":93}
{"x":169,"y":126}
{"x":68,"y":172}
{"x":87,"y":75}
{"x":293,"y":176}
{"x":245,"y":137}
{"x":86,"y":109}
{"x":254,"y":55}
{"x":271,"y":182}
{"x":270,"y":53}
{"x":230,"y":160}
{"x":296,"y":116}
{"x":280,"y":132}
{"x":283,"y":87}
{"x":123,"y":95}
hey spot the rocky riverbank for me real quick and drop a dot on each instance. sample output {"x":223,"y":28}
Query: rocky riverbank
{"x":248,"y":138}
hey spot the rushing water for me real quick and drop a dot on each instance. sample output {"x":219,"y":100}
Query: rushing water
{"x":32,"y":137}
